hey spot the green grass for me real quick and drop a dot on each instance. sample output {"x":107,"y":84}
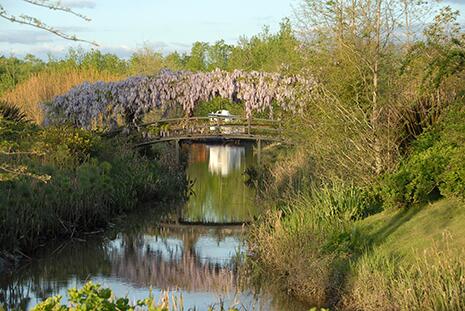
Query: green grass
{"x":404,"y":259}
{"x":409,"y":231}
{"x":415,"y":263}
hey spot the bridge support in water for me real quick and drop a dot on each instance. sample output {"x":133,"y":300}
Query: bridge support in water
{"x":178,"y":153}
{"x":259,"y":151}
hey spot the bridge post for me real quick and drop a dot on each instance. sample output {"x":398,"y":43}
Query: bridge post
{"x":176,"y":142}
{"x":249,"y":121}
{"x":259,"y":151}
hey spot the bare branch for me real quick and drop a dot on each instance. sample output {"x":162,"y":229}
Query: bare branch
{"x":56,"y":5}
{"x":37,"y":23}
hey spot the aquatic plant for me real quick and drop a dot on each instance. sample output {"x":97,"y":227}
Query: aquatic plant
{"x":90,"y":103}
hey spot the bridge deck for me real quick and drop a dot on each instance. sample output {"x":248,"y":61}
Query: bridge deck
{"x":209,"y":138}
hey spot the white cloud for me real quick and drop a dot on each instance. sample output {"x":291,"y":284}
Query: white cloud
{"x":33,"y":36}
{"x":122,"y":51}
{"x":25,"y":37}
{"x":86,"y":4}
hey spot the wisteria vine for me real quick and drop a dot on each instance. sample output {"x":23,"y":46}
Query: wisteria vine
{"x":134,"y":97}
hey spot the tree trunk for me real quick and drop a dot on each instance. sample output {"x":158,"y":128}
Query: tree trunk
{"x":375,"y":121}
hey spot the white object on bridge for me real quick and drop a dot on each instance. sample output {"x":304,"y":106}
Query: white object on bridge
{"x":221,"y":114}
{"x":224,"y":115}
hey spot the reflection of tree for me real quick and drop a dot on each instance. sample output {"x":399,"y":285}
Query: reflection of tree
{"x":69,"y":263}
{"x":159,"y":261}
{"x":162,"y":258}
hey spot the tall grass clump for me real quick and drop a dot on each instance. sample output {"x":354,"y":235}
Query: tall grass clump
{"x":305,"y":245}
{"x":45,"y":85}
{"x":435,"y":281}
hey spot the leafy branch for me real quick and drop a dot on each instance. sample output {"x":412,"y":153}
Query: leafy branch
{"x":8,"y":172}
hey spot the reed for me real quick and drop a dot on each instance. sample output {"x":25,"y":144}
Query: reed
{"x":435,"y":281}
{"x":49,"y":83}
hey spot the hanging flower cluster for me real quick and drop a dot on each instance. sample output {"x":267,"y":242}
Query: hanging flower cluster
{"x":134,"y":97}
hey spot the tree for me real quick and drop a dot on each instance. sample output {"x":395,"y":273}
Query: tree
{"x":146,"y":61}
{"x":269,"y":52}
{"x":218,"y":55}
{"x":197,"y":60}
{"x":354,"y":48}
{"x":37,"y":23}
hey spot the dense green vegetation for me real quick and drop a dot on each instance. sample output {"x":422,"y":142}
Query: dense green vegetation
{"x":61,"y":181}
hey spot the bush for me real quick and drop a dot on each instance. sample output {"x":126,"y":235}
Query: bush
{"x":418,"y":178}
{"x":434,"y":167}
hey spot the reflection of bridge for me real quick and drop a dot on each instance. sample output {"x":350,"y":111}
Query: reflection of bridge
{"x":181,"y":258}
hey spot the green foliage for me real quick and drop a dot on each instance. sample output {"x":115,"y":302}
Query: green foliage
{"x":93,"y":59}
{"x":61,"y":180}
{"x":94,"y":297}
{"x":203,"y":109}
{"x":14,"y":70}
{"x":417,"y":180}
{"x":66,"y":142}
{"x":434,"y":167}
{"x":269,"y":52}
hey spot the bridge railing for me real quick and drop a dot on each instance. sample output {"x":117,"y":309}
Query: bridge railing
{"x":211,"y":126}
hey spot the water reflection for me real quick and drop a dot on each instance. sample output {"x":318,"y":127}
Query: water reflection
{"x":220,"y":193}
{"x":153,"y":249}
{"x":225,"y":159}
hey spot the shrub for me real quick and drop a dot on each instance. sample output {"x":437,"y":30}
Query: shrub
{"x":454,"y":176}
{"x":435,"y":165}
{"x":11,"y":112}
{"x":417,"y":179}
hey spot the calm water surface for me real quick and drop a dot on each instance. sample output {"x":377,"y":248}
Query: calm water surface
{"x":160,"y":248}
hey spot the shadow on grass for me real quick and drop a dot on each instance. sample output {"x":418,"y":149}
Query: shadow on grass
{"x":340,"y":269}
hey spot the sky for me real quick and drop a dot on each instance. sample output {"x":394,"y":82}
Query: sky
{"x":123,"y":26}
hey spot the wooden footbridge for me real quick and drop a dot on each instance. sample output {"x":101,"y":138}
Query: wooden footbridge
{"x":211,"y":129}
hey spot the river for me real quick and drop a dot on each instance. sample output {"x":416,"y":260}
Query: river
{"x":192,"y":250}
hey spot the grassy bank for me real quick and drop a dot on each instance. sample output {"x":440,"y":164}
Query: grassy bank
{"x":60,"y":181}
{"x":395,"y":244}
{"x":394,"y":260}
{"x":415,"y":263}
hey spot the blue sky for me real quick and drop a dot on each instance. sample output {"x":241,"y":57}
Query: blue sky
{"x":122,"y":26}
